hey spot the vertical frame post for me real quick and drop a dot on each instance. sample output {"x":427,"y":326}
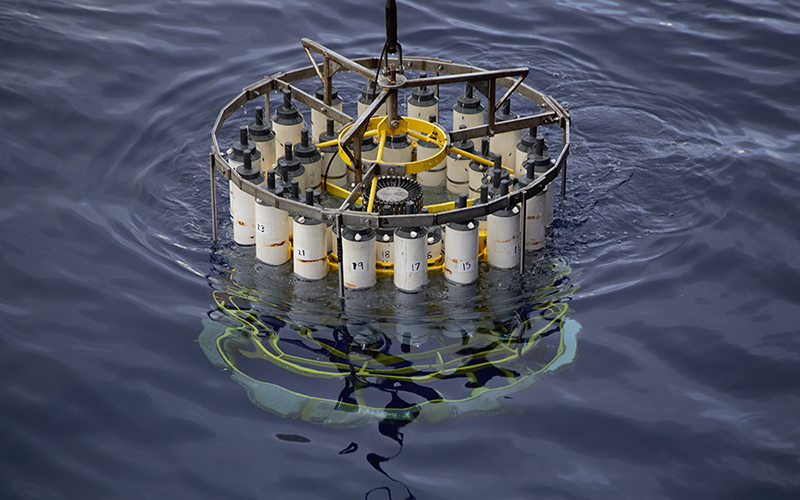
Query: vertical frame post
{"x":339,"y":252}
{"x":523,"y":217}
{"x":213,"y":199}
{"x":564,"y":165}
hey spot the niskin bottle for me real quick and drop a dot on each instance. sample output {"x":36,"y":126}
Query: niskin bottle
{"x":318,"y":119}
{"x":310,"y":249}
{"x":458,"y":167}
{"x":334,"y":169}
{"x":502,"y":235}
{"x":410,"y":256}
{"x":306,"y":152}
{"x":437,"y":175}
{"x":287,"y":122}
{"x":264,"y":139}
{"x":243,"y":205}
{"x":468,"y":112}
{"x":505,"y":144}
{"x":368,"y":94}
{"x":272,"y":227}
{"x":423,"y":102}
{"x":461,"y":249}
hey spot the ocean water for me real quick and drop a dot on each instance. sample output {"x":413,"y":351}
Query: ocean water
{"x":673,"y":254}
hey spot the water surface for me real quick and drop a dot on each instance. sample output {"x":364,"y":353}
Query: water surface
{"x":679,"y":229}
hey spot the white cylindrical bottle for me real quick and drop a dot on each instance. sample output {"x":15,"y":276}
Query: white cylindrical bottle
{"x":461,"y":250}
{"x":397,"y":149}
{"x":334,"y":169}
{"x":436,"y":175}
{"x":505,"y":144}
{"x":542,"y":163}
{"x":310,"y":253}
{"x":236,"y":153}
{"x":502,"y":235}
{"x":358,"y":257}
{"x":287,"y":122}
{"x":535,"y":218}
{"x":468,"y":112}
{"x":477,"y":170}
{"x":306,"y":152}
{"x":423,"y":102}
{"x":524,"y":146}
{"x":368,"y":94}
{"x":384,"y":242}
{"x":369,"y":152}
{"x":434,"y":243}
{"x":272,"y":227}
{"x":410,"y":256}
{"x":318,"y":118}
{"x":264,"y":139}
{"x":243,"y":205}
{"x":458,"y":168}
{"x":290,"y":169}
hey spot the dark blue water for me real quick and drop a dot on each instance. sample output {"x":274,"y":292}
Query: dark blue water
{"x":679,"y":236}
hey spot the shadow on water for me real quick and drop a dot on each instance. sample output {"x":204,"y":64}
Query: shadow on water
{"x":382,"y":356}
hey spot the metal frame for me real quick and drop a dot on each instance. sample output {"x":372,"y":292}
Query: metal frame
{"x":485,"y":81}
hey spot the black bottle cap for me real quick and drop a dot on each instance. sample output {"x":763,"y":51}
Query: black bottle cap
{"x":398,"y":141}
{"x":368,"y":93}
{"x":309,"y":196}
{"x":287,"y":113}
{"x":319,"y":93}
{"x":465,"y":145}
{"x":289,"y":163}
{"x":462,"y":201}
{"x":422,"y":96}
{"x":504,"y":187}
{"x":367,"y":144}
{"x":329,"y":135}
{"x":295,"y":189}
{"x":484,"y":193}
{"x":467,"y":104}
{"x":247,"y":171}
{"x":541,"y":155}
{"x":244,"y":143}
{"x":306,"y":151}
{"x":426,"y":144}
{"x":274,"y":187}
{"x":496,"y":179}
{"x":527,"y":140}
{"x":505,"y":113}
{"x":259,"y":130}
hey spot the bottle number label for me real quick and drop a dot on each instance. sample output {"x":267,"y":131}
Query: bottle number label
{"x":264,"y":229}
{"x":386,"y":255}
{"x":516,"y":249}
{"x":430,"y":255}
{"x":300,"y":252}
{"x":358,"y":266}
{"x":415,"y":267}
{"x":466,"y":266}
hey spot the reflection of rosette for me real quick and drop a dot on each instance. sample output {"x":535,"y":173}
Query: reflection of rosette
{"x":406,"y":368}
